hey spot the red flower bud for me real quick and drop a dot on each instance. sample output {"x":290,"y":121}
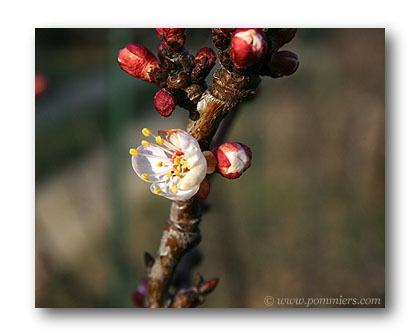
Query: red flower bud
{"x":233,"y":158}
{"x":282,"y":63}
{"x":247,"y":46}
{"x":140,"y":62}
{"x":160,"y":54}
{"x":139,"y":296}
{"x":206,"y":52}
{"x":172,"y":38}
{"x":40,"y":84}
{"x":164,"y":103}
{"x":281,"y":36}
{"x":227,"y":32}
{"x":204,"y":190}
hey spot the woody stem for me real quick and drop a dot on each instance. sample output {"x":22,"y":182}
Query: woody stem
{"x":181,"y":232}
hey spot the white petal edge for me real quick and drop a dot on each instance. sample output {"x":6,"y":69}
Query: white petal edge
{"x":181,"y":195}
{"x":148,"y":165}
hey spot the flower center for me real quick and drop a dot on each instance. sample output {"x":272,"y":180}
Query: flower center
{"x":179,"y":165}
{"x":176,"y":162}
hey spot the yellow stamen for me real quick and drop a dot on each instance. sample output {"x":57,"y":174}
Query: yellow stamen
{"x":145,"y":143}
{"x":134,"y":152}
{"x":168,"y":174}
{"x":159,"y":164}
{"x":145,"y":176}
{"x":178,"y":168}
{"x":146,"y":132}
{"x":157,"y":191}
{"x":177,"y":160}
{"x":185,"y":164}
{"x":176,"y":172}
{"x":159,"y":140}
{"x":174,"y":189}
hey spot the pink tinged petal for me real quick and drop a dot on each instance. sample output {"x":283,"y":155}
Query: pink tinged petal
{"x":238,"y":161}
{"x":233,"y":158}
{"x":148,"y":165}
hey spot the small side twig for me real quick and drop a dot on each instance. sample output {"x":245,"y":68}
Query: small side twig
{"x":192,"y":297}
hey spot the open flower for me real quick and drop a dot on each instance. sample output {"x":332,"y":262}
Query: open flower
{"x":174,"y":165}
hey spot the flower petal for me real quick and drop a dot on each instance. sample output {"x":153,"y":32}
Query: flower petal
{"x":148,"y":165}
{"x":181,"y":195}
{"x":189,"y":147}
{"x":194,"y":176}
{"x":197,"y":163}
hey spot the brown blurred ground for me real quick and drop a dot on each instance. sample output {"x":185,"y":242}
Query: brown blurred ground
{"x":306,"y":220}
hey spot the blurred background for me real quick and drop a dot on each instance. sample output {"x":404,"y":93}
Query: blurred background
{"x":306,"y":220}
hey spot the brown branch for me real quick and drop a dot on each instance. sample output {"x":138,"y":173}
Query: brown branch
{"x":230,"y":87}
{"x":181,"y":232}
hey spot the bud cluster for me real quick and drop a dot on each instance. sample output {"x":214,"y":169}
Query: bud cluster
{"x":139,"y":295}
{"x":280,"y":62}
{"x":255,"y":50}
{"x":245,"y":51}
{"x":180,"y":74}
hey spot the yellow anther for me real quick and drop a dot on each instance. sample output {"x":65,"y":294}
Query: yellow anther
{"x":159,"y":140}
{"x":168,"y":174}
{"x":159,"y":164}
{"x":178,"y":168}
{"x":145,"y":176}
{"x":146,"y":132}
{"x":174,"y":189}
{"x":145,"y":143}
{"x":134,"y":152}
{"x":185,"y":164}
{"x":176,"y":172}
{"x":157,"y":191}
{"x":177,"y":160}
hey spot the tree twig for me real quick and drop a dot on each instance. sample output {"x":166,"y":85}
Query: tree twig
{"x":231,"y":85}
{"x":181,"y":232}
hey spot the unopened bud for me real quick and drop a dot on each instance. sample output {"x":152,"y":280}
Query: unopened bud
{"x":282,"y":63}
{"x":224,"y":31}
{"x":139,"y":295}
{"x":247,"y":46}
{"x":139,"y":62}
{"x":172,"y":38}
{"x":203,"y":63}
{"x":208,"y":286}
{"x":204,"y":190}
{"x":164,"y":103}
{"x":281,"y":36}
{"x":233,"y":158}
{"x":148,"y":259}
{"x":40,"y":84}
{"x":160,"y":54}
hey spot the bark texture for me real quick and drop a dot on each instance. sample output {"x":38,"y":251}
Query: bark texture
{"x":181,"y":232}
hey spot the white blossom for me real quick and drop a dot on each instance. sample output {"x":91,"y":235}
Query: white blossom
{"x":175,"y":165}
